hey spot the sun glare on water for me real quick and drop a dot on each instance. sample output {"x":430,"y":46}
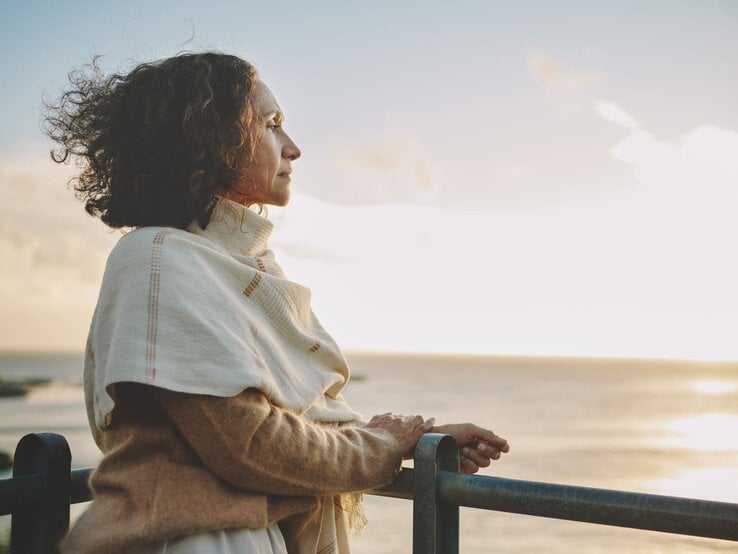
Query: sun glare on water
{"x":714,"y":432}
{"x":714,"y":387}
{"x":708,"y":433}
{"x":710,"y":483}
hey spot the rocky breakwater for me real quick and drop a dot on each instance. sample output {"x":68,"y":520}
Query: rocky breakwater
{"x":21,"y":387}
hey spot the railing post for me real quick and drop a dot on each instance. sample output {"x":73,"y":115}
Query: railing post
{"x":435,"y":525}
{"x":38,"y":530}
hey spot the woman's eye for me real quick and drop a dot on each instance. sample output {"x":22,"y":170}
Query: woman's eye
{"x":275,"y":121}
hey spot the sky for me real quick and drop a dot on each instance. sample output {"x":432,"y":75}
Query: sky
{"x":531,"y":178}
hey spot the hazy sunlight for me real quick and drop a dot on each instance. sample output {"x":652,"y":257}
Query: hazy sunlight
{"x":711,"y":483}
{"x":714,"y":386}
{"x":715,"y":432}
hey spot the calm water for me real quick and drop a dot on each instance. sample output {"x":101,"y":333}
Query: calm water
{"x":669,"y":428}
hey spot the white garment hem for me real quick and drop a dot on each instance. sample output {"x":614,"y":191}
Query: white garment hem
{"x":225,"y":541}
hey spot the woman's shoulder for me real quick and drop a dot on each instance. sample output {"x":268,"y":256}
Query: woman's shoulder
{"x":145,"y":238}
{"x":144,"y":242}
{"x":137,"y":250}
{"x":169,"y":251}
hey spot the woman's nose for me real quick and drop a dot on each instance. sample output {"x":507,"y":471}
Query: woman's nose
{"x":291,"y":151}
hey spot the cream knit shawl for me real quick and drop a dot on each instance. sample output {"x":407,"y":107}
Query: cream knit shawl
{"x":210,"y":312}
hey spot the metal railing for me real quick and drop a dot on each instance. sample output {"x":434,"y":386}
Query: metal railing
{"x":42,"y":488}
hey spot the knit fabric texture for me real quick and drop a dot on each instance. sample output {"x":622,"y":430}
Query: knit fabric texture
{"x":210,"y":312}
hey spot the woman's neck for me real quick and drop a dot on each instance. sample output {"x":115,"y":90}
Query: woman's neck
{"x":238,"y":197}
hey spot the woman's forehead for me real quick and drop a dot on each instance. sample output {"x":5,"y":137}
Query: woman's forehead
{"x":264,"y":102}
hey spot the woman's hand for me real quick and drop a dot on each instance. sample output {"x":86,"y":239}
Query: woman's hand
{"x":477,"y":446}
{"x":406,"y":429}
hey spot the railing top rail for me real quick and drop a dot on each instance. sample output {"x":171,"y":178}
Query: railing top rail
{"x":686,"y":516}
{"x":669,"y":514}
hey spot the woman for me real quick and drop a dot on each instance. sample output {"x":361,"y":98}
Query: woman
{"x":211,"y":388}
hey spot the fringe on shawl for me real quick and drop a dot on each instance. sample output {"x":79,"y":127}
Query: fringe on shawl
{"x":351,"y":504}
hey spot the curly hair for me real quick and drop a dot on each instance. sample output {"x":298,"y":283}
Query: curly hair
{"x":155,"y":144}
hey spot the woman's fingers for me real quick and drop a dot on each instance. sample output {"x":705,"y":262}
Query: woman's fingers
{"x":483,"y":444}
{"x":481,"y":460}
{"x":489,"y":437}
{"x":472,"y":459}
{"x":493,"y":441}
{"x":467,"y":466}
{"x":505,"y":446}
{"x":406,"y":429}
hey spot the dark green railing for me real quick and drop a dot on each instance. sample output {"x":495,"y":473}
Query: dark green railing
{"x":42,"y":488}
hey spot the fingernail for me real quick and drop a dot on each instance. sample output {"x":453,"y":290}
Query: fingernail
{"x":465,"y":450}
{"x":481,"y":448}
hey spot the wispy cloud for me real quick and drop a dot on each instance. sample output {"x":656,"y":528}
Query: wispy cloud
{"x":558,"y":75}
{"x":616,"y":114}
{"x":50,"y":250}
{"x":52,"y":256}
{"x":43,"y":267}
{"x":391,"y":155}
{"x":392,"y":169}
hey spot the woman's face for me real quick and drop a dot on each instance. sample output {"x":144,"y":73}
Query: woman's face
{"x":266,"y":178}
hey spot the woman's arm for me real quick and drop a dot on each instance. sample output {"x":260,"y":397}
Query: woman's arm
{"x":255,"y":445}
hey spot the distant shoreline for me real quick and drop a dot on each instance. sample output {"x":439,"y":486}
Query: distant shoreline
{"x":509,"y":361}
{"x":512,"y":361}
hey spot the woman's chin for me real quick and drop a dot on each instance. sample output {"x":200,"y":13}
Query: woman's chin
{"x":279,"y":200}
{"x":280,"y":193}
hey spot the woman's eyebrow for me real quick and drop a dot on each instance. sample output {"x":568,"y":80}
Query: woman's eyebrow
{"x":276,"y":114}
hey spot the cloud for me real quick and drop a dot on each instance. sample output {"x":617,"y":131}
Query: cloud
{"x":50,"y":250}
{"x":390,"y":155}
{"x":391,"y":170}
{"x":52,"y":256}
{"x":40,"y":268}
{"x":697,"y":168}
{"x":612,"y":275}
{"x":616,"y":114}
{"x":553,"y":74}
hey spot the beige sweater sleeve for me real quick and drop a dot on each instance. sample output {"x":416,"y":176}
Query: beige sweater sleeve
{"x":257,"y":446}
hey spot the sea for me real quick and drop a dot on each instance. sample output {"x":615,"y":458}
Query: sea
{"x":658,"y":426}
